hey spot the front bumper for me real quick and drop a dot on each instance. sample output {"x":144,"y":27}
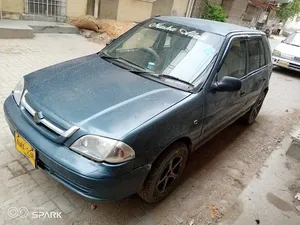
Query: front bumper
{"x":97,"y":181}
{"x":286,"y":63}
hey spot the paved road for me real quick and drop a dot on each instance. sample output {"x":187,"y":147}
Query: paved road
{"x":216,"y":174}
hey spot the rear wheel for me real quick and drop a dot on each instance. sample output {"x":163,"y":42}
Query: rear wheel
{"x":250,"y":116}
{"x":165,"y":173}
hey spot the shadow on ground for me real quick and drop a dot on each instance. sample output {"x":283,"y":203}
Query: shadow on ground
{"x":133,"y":209}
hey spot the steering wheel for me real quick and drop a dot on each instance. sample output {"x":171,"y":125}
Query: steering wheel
{"x":152,"y":52}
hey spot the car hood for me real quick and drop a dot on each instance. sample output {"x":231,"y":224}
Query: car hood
{"x":97,"y":96}
{"x":289,"y":49}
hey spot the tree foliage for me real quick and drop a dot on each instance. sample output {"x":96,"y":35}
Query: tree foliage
{"x":214,"y":12}
{"x":288,"y":10}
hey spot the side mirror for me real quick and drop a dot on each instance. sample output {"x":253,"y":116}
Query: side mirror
{"x":227,"y":84}
{"x":109,"y":42}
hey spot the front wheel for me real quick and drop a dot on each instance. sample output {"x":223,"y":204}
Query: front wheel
{"x":250,"y":116}
{"x":165,"y":173}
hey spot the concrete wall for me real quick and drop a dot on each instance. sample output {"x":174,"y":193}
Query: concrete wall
{"x":227,"y":5}
{"x":162,"y":7}
{"x":237,"y":12}
{"x":109,"y":9}
{"x":179,"y":7}
{"x":76,"y":8}
{"x":134,"y":10}
{"x":13,"y":6}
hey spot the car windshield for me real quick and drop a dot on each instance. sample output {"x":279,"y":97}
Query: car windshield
{"x":172,"y":50}
{"x":293,"y":39}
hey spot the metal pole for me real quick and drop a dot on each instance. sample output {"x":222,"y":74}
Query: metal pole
{"x":47,"y":7}
{"x":96,"y":8}
{"x":1,"y":9}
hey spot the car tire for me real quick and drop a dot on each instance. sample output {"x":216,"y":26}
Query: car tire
{"x":165,"y":173}
{"x":250,"y":116}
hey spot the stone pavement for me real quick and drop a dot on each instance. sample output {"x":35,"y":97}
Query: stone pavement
{"x":20,"y":185}
{"x":269,"y":199}
{"x":27,"y":28}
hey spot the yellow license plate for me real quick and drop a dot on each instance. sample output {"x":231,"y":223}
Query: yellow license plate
{"x":25,"y":148}
{"x":283,"y":63}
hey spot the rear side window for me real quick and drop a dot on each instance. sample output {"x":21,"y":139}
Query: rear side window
{"x":267,"y":49}
{"x":257,"y":54}
{"x":254,"y":55}
{"x":262,"y":53}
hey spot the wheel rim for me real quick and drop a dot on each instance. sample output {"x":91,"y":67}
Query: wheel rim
{"x":256,"y":107}
{"x":170,"y":173}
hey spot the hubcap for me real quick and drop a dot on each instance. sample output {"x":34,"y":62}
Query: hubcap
{"x":169,"y":174}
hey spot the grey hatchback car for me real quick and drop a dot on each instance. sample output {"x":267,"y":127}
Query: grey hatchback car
{"x":126,"y":120}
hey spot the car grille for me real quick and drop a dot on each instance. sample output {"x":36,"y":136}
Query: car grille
{"x":297,"y":59}
{"x":287,"y":56}
{"x":44,"y":125}
{"x":61,"y":178}
{"x":294,"y":66}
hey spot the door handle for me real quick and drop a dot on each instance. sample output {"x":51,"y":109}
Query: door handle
{"x":242,"y":93}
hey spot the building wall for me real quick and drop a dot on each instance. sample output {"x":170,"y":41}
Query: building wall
{"x":134,"y":10}
{"x":162,"y":7}
{"x":179,"y":7}
{"x":199,"y":6}
{"x":76,"y":8}
{"x":109,"y":9}
{"x":237,"y":12}
{"x":227,"y":5}
{"x":13,"y":6}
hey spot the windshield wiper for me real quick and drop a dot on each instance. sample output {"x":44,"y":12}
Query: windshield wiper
{"x":292,"y":44}
{"x":105,"y":56}
{"x":122,"y":60}
{"x":161,"y":76}
{"x":175,"y":78}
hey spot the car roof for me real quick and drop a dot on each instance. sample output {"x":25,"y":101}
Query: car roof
{"x":208,"y":25}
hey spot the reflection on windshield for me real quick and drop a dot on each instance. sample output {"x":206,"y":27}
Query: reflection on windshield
{"x":293,"y":39}
{"x":167,"y":48}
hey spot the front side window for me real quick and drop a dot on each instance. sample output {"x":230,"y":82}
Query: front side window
{"x":161,"y":47}
{"x":234,"y":64}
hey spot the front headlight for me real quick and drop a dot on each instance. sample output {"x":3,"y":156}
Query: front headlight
{"x":276,"y":52}
{"x":18,"y":91}
{"x":103,"y":149}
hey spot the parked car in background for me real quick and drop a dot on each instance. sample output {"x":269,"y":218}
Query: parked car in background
{"x":126,"y":120}
{"x":287,"y":53}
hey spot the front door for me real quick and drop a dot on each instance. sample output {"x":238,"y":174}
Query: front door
{"x":222,"y":108}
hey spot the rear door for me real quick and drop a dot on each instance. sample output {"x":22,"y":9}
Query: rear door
{"x":257,"y":69}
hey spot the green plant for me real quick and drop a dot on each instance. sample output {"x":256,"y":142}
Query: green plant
{"x":214,"y":12}
{"x":288,"y":10}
